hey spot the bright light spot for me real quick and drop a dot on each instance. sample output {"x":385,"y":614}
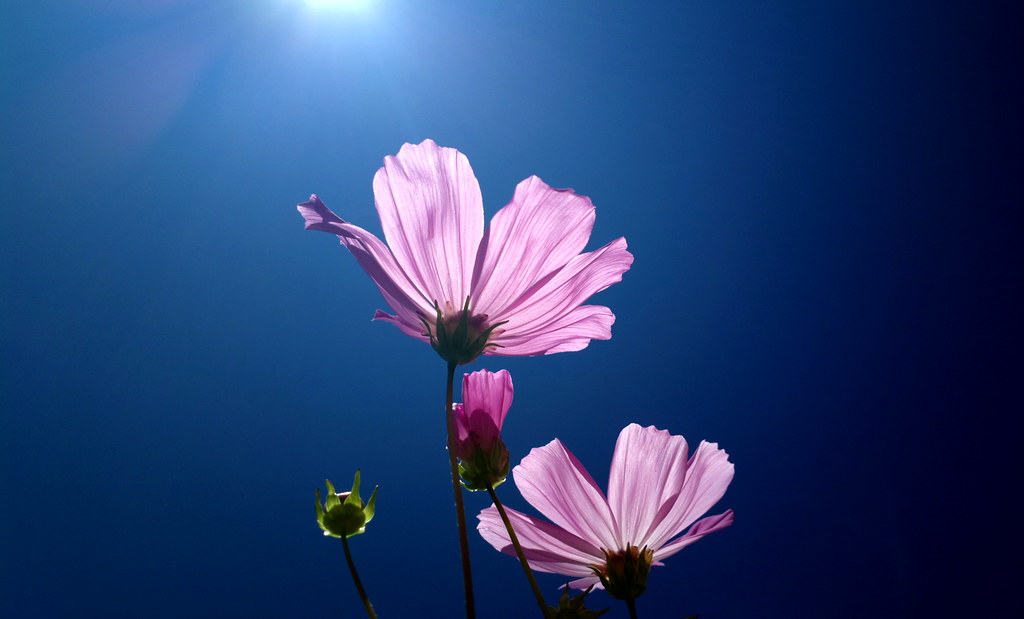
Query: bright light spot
{"x":351,"y":5}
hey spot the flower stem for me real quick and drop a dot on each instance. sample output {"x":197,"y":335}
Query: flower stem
{"x":519,"y":551}
{"x":631,"y":605}
{"x":355,"y":579}
{"x":460,"y":513}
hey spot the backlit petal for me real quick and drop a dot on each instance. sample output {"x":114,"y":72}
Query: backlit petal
{"x":377,"y":260}
{"x":557,"y":485}
{"x":584,"y":583}
{"x":547,"y":547}
{"x":708,"y":474}
{"x":461,"y":420}
{"x":699,"y":529}
{"x":568,"y":333}
{"x":490,"y":392}
{"x":647,"y":472}
{"x":550,"y":305}
{"x":432,"y":215}
{"x":411,"y":326}
{"x":536,"y":234}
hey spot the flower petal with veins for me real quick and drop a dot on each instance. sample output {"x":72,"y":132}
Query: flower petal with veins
{"x":521,"y":283}
{"x":655,"y":492}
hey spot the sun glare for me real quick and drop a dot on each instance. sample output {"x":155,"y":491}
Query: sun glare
{"x":350,"y":5}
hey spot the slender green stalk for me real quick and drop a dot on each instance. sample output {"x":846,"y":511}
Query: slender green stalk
{"x":631,"y":605}
{"x":460,"y":513}
{"x":355,"y":579}
{"x":519,"y":552}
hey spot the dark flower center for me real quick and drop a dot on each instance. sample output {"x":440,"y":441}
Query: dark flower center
{"x":624,"y":573}
{"x":459,"y":336}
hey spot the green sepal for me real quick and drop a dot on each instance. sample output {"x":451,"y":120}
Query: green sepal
{"x":353,"y":495}
{"x":332,"y":497}
{"x":371,"y":505}
{"x":572,"y":608}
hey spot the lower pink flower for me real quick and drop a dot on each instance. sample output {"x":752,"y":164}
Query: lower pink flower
{"x":486,"y":398}
{"x":655,"y":492}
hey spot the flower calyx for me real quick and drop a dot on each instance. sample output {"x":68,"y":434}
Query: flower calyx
{"x":344,"y":514}
{"x":459,"y":336}
{"x":573,"y":608}
{"x":485,"y":467}
{"x":624,"y":573}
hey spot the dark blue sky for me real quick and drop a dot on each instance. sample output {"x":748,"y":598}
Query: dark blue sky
{"x":821,"y":198}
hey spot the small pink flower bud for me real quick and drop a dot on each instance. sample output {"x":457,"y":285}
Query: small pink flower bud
{"x":484,"y":458}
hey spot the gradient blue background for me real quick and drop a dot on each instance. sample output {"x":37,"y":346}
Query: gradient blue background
{"x":821,"y":198}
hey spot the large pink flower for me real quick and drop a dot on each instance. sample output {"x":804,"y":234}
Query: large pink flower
{"x":654,"y":493}
{"x":516,"y":288}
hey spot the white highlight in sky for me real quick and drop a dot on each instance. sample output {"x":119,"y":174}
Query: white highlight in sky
{"x":351,"y":5}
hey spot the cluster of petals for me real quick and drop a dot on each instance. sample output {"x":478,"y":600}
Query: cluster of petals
{"x":655,"y":492}
{"x":525,"y":273}
{"x":486,"y":398}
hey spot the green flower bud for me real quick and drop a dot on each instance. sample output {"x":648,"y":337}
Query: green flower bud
{"x":572,"y":608}
{"x":344,"y":513}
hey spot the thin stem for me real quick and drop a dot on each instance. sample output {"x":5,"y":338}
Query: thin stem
{"x":519,"y":551}
{"x":460,"y":513}
{"x":631,"y":605}
{"x":355,"y":579}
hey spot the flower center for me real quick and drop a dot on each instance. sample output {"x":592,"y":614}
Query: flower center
{"x":459,"y":336}
{"x":624,"y":573}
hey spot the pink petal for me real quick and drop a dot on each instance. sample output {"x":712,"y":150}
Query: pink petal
{"x":536,"y":234}
{"x":583,"y":583}
{"x":490,"y":392}
{"x":700,"y":528}
{"x":461,"y":430}
{"x":378,"y":262}
{"x":544,"y":308}
{"x":555,"y":483}
{"x":432,"y":214}
{"x":547,"y":548}
{"x":647,"y":472}
{"x":409,"y":326}
{"x":708,"y":474}
{"x":568,"y":333}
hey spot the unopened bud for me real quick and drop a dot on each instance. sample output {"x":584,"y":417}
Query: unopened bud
{"x":344,"y":513}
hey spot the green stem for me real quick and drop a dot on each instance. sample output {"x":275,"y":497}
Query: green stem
{"x":355,"y":579}
{"x":460,"y":513}
{"x":631,"y":605}
{"x":519,"y":551}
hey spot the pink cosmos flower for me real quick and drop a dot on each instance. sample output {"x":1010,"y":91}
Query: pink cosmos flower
{"x":514,"y":289}
{"x":654,"y":493}
{"x":483,"y":456}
